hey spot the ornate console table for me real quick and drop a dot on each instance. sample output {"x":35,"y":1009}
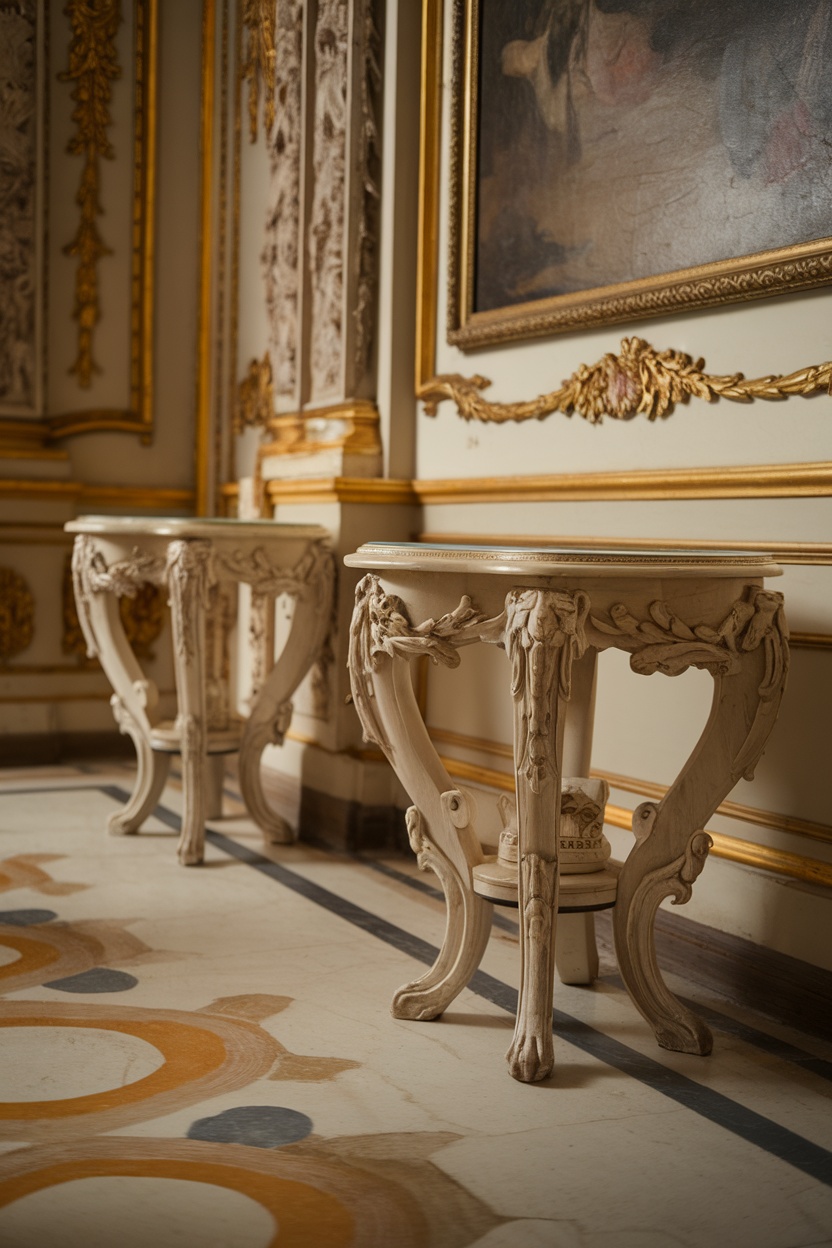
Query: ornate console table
{"x":552,"y":610}
{"x":200,"y":563}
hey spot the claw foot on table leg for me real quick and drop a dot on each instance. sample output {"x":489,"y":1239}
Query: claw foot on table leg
{"x":467,"y":930}
{"x":531,"y":1056}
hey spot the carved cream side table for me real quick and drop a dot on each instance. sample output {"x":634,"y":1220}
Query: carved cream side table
{"x":200,"y":562}
{"x":552,"y":610}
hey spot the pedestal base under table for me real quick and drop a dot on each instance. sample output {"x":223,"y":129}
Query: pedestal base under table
{"x":200,"y":563}
{"x":552,"y":610}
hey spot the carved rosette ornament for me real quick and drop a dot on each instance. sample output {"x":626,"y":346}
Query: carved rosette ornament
{"x":17,"y":614}
{"x":638,"y":381}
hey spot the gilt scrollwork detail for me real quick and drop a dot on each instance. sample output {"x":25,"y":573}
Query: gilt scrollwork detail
{"x":260,"y":62}
{"x":93,"y":67}
{"x":638,"y":381}
{"x":17,"y":614}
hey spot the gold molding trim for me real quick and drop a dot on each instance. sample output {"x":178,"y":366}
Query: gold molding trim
{"x":260,"y":64}
{"x":138,"y":417}
{"x":27,"y":439}
{"x":817,"y":554}
{"x":93,"y":67}
{"x":746,"y":853}
{"x":810,"y":641}
{"x":731,"y":810}
{"x":638,"y":381}
{"x":755,"y":481}
{"x":122,"y":497}
{"x":628,"y":784}
{"x":733,"y":849}
{"x":373,"y":490}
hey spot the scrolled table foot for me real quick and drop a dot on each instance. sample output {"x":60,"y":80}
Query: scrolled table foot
{"x":467,"y":929}
{"x":151,"y":774}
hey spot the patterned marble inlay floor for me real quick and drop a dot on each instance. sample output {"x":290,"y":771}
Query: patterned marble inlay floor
{"x":205,"y":1056}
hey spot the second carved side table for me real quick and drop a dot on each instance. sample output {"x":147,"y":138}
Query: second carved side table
{"x":199,"y":561}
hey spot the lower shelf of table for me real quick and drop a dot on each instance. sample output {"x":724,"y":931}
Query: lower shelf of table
{"x":587,"y":890}
{"x":166,"y":738}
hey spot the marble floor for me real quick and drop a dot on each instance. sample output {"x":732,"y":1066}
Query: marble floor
{"x":205,"y":1056}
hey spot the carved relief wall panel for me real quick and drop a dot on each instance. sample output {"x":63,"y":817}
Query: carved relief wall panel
{"x":22,"y":59}
{"x":78,"y":124}
{"x":305,"y":253}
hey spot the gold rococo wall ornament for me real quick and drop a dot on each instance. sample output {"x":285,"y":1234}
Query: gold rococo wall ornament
{"x":17,"y":614}
{"x":638,"y":381}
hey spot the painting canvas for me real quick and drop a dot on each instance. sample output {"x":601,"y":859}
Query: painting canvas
{"x":620,"y":148}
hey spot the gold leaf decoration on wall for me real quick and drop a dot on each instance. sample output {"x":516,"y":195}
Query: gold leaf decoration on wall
{"x":255,"y":396}
{"x":93,"y":67}
{"x":260,"y":62}
{"x":638,"y":381}
{"x":17,"y":614}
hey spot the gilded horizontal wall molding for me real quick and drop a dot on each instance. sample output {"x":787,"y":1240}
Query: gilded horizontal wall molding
{"x":374,"y":490}
{"x":123,"y":497}
{"x":812,"y":553}
{"x":752,"y":481}
{"x":638,"y":381}
{"x":733,"y":849}
{"x":769,"y":819}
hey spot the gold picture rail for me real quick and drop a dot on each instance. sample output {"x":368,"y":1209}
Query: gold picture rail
{"x":143,"y":498}
{"x":800,"y":480}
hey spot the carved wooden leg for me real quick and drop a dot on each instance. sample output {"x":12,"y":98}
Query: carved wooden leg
{"x":190,"y":575}
{"x":441,"y":822}
{"x":271,"y":713}
{"x":135,"y":698}
{"x":671,"y":846}
{"x":544,"y":631}
{"x":442,"y":834}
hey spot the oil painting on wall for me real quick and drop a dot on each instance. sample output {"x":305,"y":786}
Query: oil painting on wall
{"x":619,"y":145}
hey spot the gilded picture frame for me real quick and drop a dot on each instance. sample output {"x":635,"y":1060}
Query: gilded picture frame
{"x":580,"y":198}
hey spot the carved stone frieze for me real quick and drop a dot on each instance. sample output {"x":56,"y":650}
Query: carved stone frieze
{"x":326,"y":245}
{"x":638,"y":381}
{"x":18,"y":183}
{"x":665,"y":643}
{"x":17,"y":614}
{"x":93,"y":67}
{"x":369,"y":168}
{"x":279,"y":257}
{"x":544,"y":633}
